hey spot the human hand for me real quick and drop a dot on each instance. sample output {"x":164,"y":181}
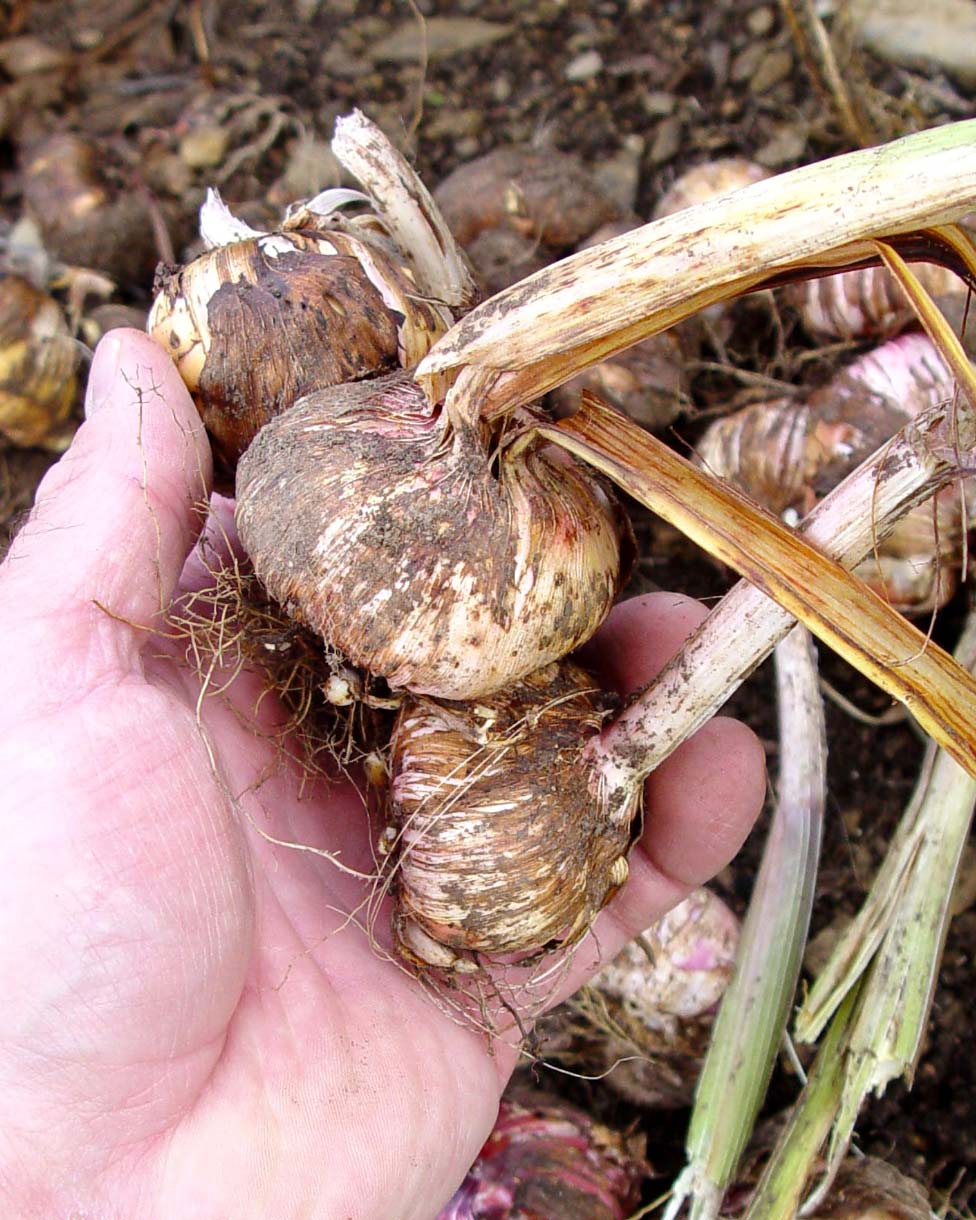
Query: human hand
{"x":191,"y":1026}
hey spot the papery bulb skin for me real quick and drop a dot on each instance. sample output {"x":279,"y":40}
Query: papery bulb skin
{"x":549,"y":1161}
{"x":504,"y":843}
{"x":768,"y":449}
{"x":38,"y":367}
{"x":256,"y":324}
{"x":431,"y":557}
{"x":642,"y":1024}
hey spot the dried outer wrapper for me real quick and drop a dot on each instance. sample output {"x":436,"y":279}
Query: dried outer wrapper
{"x":550,"y":1161}
{"x":642,"y":1023}
{"x":256,"y":324}
{"x":504,"y":843}
{"x":438,"y":559}
{"x":38,"y":367}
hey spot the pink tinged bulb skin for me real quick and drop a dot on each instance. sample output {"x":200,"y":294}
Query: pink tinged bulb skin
{"x":549,"y":1162}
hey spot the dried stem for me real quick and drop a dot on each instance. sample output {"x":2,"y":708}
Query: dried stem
{"x":746,"y":625}
{"x":564,"y":318}
{"x":407,"y":208}
{"x":878,"y":986}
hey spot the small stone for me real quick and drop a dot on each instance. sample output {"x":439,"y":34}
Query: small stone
{"x":939,"y":34}
{"x":204,"y":146}
{"x":442,"y":36}
{"x":501,"y":88}
{"x":746,"y":63}
{"x":584,"y":67}
{"x":25,"y":56}
{"x":667,"y":139}
{"x":657,"y":103}
{"x":760,"y":21}
{"x":785,"y":146}
{"x":774,"y":67}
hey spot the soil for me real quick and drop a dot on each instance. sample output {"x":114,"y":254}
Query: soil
{"x":246,"y":92}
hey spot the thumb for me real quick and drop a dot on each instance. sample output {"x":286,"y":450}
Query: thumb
{"x":100,"y":554}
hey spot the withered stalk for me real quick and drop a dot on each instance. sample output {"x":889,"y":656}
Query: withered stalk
{"x":746,"y":625}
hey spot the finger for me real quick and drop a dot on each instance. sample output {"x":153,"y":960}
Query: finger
{"x":218,"y":548}
{"x":114,"y":519}
{"x":639,"y":637}
{"x":699,"y":807}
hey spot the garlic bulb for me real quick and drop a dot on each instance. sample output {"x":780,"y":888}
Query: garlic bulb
{"x":265,"y":318}
{"x":547,"y":1160}
{"x":516,"y":209}
{"x":38,"y":367}
{"x":788,"y":454}
{"x":446,"y":562}
{"x":709,"y":180}
{"x":643,"y":1022}
{"x":865,"y":301}
{"x":504,"y":843}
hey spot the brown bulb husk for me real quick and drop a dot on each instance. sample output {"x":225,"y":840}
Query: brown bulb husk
{"x":86,"y":219}
{"x":38,"y":367}
{"x":505,"y":843}
{"x":444,"y":561}
{"x":256,"y":324}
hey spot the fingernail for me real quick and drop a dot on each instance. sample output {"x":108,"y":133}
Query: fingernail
{"x":103,"y":375}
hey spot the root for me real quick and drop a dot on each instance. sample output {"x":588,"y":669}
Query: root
{"x":231,"y":627}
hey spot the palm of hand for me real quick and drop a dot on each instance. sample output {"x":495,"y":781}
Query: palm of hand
{"x":193,"y":1027}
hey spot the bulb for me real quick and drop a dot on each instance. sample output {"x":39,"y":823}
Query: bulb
{"x":788,"y":454}
{"x":643,"y":1022}
{"x":434,"y":558}
{"x":38,"y":367}
{"x":546,"y":1160}
{"x":87,"y":218}
{"x":265,"y":318}
{"x":516,"y":209}
{"x":709,"y":180}
{"x":505,"y":844}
